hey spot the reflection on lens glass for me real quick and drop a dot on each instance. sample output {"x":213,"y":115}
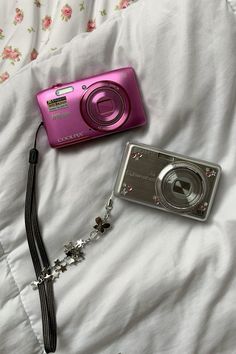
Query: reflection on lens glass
{"x":182,"y":188}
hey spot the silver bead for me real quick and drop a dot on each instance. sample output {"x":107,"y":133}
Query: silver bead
{"x":93,"y":234}
{"x":88,"y":241}
{"x":109,"y":204}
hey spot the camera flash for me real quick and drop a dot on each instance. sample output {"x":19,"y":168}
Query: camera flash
{"x":64,"y":91}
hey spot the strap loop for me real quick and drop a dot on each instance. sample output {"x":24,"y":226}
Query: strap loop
{"x":33,"y":156}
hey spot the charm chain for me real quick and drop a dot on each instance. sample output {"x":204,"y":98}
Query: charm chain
{"x":74,"y":251}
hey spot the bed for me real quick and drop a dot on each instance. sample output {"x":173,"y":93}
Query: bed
{"x":157,"y":283}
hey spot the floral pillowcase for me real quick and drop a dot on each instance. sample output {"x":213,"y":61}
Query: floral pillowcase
{"x":52,"y":28}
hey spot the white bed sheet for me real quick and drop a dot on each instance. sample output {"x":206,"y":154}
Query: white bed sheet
{"x":157,"y":283}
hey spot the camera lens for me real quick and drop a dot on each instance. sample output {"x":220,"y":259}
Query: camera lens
{"x":105,"y":106}
{"x":181,"y":186}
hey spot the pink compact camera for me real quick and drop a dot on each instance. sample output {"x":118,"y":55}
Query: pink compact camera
{"x":92,"y":107}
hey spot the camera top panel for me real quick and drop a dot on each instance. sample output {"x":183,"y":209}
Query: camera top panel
{"x":167,"y":181}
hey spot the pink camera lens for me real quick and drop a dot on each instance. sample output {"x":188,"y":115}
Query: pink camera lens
{"x":105,"y":106}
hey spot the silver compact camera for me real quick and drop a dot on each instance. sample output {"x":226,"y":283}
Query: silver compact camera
{"x":167,"y":181}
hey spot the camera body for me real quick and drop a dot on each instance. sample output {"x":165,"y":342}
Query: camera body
{"x":167,"y":181}
{"x":92,"y":107}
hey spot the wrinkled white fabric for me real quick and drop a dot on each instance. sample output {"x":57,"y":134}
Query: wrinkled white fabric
{"x":232,"y":4}
{"x":158,"y":283}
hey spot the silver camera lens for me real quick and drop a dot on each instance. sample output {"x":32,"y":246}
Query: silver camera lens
{"x":181,"y":186}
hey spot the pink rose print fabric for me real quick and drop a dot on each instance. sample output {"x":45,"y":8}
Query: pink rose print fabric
{"x":46,"y":23}
{"x":18,"y":16}
{"x":66,"y":12}
{"x":124,"y":3}
{"x":12,"y":54}
{"x":4,"y":76}
{"x":31,"y":28}
{"x":91,"y":25}
{"x":33,"y":54}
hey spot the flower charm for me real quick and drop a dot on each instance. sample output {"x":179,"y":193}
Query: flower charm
{"x":210,"y":172}
{"x":203,"y":207}
{"x":74,"y":251}
{"x":91,"y":25}
{"x":101,"y":225}
{"x":66,"y":12}
{"x":80,"y":243}
{"x":136,"y":155}
{"x":156,"y":200}
{"x":18,"y":16}
{"x":46,"y":23}
{"x":4,"y":77}
{"x":46,"y":274}
{"x":57,"y":263}
{"x":126,"y":189}
{"x":63,"y":268}
{"x":55,"y":274}
{"x":68,"y":248}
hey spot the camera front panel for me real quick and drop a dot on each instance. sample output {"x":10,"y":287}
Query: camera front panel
{"x":167,"y":181}
{"x":92,"y":107}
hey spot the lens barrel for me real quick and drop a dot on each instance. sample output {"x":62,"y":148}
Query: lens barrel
{"x":105,"y":106}
{"x":181,"y":186}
